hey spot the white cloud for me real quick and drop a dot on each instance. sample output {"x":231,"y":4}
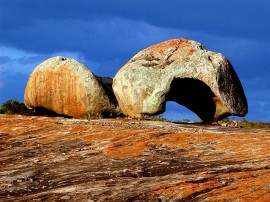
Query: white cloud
{"x":15,"y":56}
{"x":25,"y":62}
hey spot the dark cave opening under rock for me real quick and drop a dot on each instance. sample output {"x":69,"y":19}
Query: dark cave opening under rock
{"x":195,"y":95}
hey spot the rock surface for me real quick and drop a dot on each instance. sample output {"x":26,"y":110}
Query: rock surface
{"x":59,"y":159}
{"x":67,"y":87}
{"x":182,"y":71}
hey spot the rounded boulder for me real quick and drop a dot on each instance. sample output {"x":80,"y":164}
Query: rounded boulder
{"x":67,"y":87}
{"x":183,"y":71}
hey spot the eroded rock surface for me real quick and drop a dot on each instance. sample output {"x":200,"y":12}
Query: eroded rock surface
{"x":59,"y":159}
{"x":67,"y":87}
{"x":182,"y":71}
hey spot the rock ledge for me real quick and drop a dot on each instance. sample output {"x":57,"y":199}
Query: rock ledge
{"x":58,"y":159}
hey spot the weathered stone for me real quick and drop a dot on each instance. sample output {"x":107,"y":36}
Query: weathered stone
{"x":182,"y":71}
{"x":57,"y":159}
{"x":67,"y":87}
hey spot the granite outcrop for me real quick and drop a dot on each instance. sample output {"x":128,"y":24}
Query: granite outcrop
{"x":183,"y":71}
{"x":65,"y":86}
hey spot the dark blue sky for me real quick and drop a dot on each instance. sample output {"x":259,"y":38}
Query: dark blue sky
{"x":104,"y":35}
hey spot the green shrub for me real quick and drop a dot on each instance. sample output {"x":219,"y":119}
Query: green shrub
{"x":188,"y":121}
{"x":250,"y":124}
{"x":15,"y":107}
{"x":91,"y":116}
{"x":182,"y":121}
{"x":159,"y":118}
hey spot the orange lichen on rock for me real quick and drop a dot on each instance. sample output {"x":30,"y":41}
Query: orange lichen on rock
{"x":233,"y":186}
{"x":161,"y":48}
{"x":65,"y":86}
{"x":191,"y":51}
{"x":186,"y":189}
{"x":126,"y":146}
{"x":131,"y":150}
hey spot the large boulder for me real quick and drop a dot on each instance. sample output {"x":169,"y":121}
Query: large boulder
{"x":67,"y":87}
{"x":182,"y":71}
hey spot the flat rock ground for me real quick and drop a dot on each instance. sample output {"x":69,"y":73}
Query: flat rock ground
{"x":59,"y":159}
